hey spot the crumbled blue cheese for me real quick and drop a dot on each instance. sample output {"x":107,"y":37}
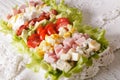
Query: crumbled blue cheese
{"x":65,"y":57}
{"x":63,"y":65}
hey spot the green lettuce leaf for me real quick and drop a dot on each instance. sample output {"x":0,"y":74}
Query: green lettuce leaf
{"x":35,"y":62}
{"x":5,"y":28}
{"x":20,"y":44}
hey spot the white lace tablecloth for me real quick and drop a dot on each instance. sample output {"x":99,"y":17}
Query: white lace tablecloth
{"x":102,"y":13}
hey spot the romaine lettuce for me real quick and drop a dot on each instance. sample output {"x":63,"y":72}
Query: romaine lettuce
{"x":5,"y":28}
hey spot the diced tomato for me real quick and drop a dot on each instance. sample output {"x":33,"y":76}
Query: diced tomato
{"x":64,"y":24}
{"x":50,"y":25}
{"x":54,"y":12}
{"x":51,"y":30}
{"x":62,"y":20}
{"x":43,"y":34}
{"x":19,"y":31}
{"x":39,"y":29}
{"x":33,"y":41}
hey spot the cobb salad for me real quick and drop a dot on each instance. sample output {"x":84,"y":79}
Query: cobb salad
{"x":52,"y":35}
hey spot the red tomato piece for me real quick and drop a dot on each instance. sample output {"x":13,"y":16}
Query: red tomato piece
{"x":62,"y":20}
{"x":33,"y":41}
{"x":63,"y":24}
{"x":51,"y":30}
{"x":50,"y":25}
{"x":43,"y":34}
{"x":39,"y":29}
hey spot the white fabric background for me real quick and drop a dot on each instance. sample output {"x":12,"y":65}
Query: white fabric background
{"x":102,"y":13}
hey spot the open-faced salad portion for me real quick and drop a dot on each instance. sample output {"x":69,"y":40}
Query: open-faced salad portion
{"x":52,"y":35}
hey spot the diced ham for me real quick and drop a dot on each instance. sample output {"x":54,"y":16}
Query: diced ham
{"x":50,"y":58}
{"x":32,"y":3}
{"x":35,"y":3}
{"x":22,"y":8}
{"x":80,"y":40}
{"x":77,"y":36}
{"x":68,"y":42}
{"x":15,"y":11}
{"x":86,"y":36}
{"x":66,"y":48}
{"x":57,"y":48}
{"x":74,"y":46}
{"x":62,"y":51}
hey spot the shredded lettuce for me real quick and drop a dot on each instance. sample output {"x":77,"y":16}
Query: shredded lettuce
{"x":5,"y":28}
{"x":20,"y":44}
{"x":35,"y":62}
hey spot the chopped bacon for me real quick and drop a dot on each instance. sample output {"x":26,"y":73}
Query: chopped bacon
{"x":15,"y":11}
{"x":9,"y":16}
{"x":22,"y":8}
{"x":54,"y":12}
{"x":19,"y":31}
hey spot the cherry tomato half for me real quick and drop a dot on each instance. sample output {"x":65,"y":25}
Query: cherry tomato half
{"x":33,"y":41}
{"x":43,"y":34}
{"x":39,"y":29}
{"x":62,"y":20}
{"x":50,"y":30}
